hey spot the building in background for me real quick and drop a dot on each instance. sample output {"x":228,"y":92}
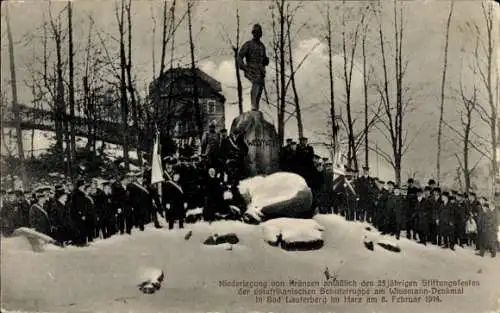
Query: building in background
{"x":171,"y":98}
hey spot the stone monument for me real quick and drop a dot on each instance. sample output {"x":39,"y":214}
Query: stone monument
{"x":262,"y":141}
{"x":259,"y":135}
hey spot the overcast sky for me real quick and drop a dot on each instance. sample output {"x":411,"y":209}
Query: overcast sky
{"x":425,"y":22}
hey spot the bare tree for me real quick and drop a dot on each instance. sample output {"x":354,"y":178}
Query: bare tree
{"x":331,"y":76}
{"x":349,"y":57}
{"x":485,"y":66}
{"x":71,"y":89}
{"x":120,"y":17}
{"x":194,"y":73}
{"x":61,"y":122}
{"x":15,"y":103}
{"x":393,"y":122}
{"x":298,"y":113}
{"x":130,"y":83}
{"x":441,"y":107}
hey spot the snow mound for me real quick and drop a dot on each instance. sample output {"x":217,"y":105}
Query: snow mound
{"x":289,"y":232}
{"x":151,"y":279}
{"x":194,"y":215}
{"x":216,"y":239}
{"x":37,"y":240}
{"x":389,"y":245}
{"x":281,"y":194}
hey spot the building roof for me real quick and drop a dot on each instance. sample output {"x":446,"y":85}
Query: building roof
{"x":186,"y":72}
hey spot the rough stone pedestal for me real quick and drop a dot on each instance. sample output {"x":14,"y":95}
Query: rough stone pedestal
{"x":262,"y":141}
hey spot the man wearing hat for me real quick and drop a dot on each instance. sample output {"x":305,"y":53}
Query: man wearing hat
{"x":38,"y":217}
{"x":422,"y":213}
{"x":395,"y":211}
{"x":487,"y":227}
{"x":365,"y":187}
{"x":210,"y":144}
{"x":305,"y":159}
{"x":9,"y":214}
{"x":284,"y":152}
{"x":223,"y":151}
{"x":140,"y":201}
{"x":435,"y":203}
{"x":120,"y":204}
{"x":62,"y":226}
{"x":81,"y":213}
{"x":410,"y":218}
{"x":460,"y":218}
{"x":446,"y":221}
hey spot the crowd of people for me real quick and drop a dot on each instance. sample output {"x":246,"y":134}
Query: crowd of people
{"x":430,"y":215}
{"x":88,"y":209}
{"x":78,"y":214}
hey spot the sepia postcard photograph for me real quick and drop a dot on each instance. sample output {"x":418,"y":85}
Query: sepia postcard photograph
{"x":250,"y":156}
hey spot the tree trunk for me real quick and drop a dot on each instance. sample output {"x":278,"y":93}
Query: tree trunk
{"x":236,"y":49}
{"x":194,"y":73}
{"x":123,"y":86}
{"x":130,"y":84}
{"x":332,"y":85}
{"x":365,"y":94}
{"x":282,"y":72}
{"x":71,"y":88}
{"x":15,"y":103}
{"x":298,"y":113}
{"x":441,"y":107}
{"x":164,"y":38}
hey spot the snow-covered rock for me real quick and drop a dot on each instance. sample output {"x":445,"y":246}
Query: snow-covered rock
{"x":293,"y":233}
{"x":389,"y":245}
{"x":150,"y":279}
{"x":37,"y":240}
{"x":194,"y":215}
{"x":217,"y":239}
{"x":278,"y":195}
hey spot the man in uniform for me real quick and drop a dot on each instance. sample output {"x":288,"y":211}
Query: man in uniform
{"x":210,"y":145}
{"x":254,"y":53}
{"x":435,"y":203}
{"x":487,"y":230}
{"x":305,"y":160}
{"x":365,"y":189}
{"x":120,"y":205}
{"x":222,"y":151}
{"x":81,"y":213}
{"x":140,"y":200}
{"x":410,"y":218}
{"x":175,"y":203}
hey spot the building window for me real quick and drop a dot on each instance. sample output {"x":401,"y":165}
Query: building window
{"x":211,"y":106}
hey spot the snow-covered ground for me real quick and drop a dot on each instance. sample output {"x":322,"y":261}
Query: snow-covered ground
{"x":104,"y":276}
{"x":43,"y":140}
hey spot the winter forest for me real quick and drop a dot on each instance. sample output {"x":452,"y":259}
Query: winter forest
{"x":410,"y":88}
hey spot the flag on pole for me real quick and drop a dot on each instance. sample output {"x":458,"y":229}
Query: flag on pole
{"x":156,"y":170}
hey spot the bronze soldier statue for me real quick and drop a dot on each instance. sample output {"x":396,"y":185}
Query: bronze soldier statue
{"x":254,"y":53}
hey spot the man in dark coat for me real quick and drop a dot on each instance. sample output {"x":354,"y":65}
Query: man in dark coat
{"x":155,"y":198}
{"x":422,"y":211}
{"x":223,"y":151}
{"x":140,"y":200}
{"x":365,"y":189}
{"x":382,"y":195}
{"x":435,"y":203}
{"x":325,"y":198}
{"x":175,"y":203}
{"x":284,"y":152}
{"x":395,"y":209}
{"x":214,"y":196}
{"x":411,"y":216}
{"x":305,"y":160}
{"x":39,"y":218}
{"x":209,"y":145}
{"x":120,"y":205}
{"x":23,"y":207}
{"x":81,"y":213}
{"x":102,"y":208}
{"x":460,"y":218}
{"x":487,"y":230}
{"x":445,"y":220}
{"x":238,"y":150}
{"x":62,"y":226}
{"x":9,"y":214}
